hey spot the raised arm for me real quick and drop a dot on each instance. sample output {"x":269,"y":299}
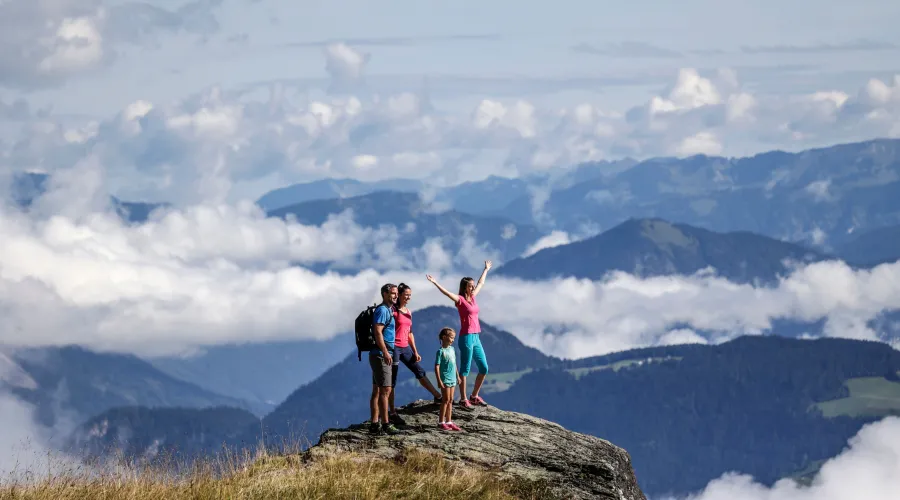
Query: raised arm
{"x":487,"y":265}
{"x":452,"y":296}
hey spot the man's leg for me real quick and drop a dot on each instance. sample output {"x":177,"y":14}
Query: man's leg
{"x":394,"y":370}
{"x":380,"y":378}
{"x":373,"y":403}
{"x":385,"y":394}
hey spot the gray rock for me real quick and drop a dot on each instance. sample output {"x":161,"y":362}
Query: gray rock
{"x":571,"y":464}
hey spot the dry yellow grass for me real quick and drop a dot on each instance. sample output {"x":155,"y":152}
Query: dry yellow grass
{"x":414,"y":475}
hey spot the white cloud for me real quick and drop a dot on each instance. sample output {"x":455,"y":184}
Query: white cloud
{"x":345,"y":65}
{"x":220,"y":144}
{"x":46,"y":42}
{"x":869,"y":468}
{"x":623,"y":311}
{"x":554,"y":239}
{"x":699,"y":143}
{"x":690,"y":91}
{"x":820,"y":190}
{"x":27,"y":451}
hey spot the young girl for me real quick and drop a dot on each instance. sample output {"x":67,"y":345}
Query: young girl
{"x":447,"y":378}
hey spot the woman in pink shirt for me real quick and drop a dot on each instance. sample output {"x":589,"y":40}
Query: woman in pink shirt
{"x":469,"y":329}
{"x":405,"y":350}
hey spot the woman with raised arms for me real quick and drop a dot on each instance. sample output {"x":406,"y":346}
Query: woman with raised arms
{"x":469,"y":329}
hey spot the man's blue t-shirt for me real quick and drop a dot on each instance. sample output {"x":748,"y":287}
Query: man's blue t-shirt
{"x":384,"y":315}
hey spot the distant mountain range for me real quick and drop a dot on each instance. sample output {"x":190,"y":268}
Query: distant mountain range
{"x":822,"y":197}
{"x":74,"y":384}
{"x":263,"y":374}
{"x":418,"y":222}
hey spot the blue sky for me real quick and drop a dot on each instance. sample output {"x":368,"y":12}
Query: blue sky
{"x":274,"y":39}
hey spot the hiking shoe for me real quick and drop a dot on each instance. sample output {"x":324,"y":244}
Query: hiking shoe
{"x":444,"y":427}
{"x":465,"y":403}
{"x":439,"y":399}
{"x":397,"y":420}
{"x":375,"y":428}
{"x":479,"y":401}
{"x":390,"y":429}
{"x":453,"y":427}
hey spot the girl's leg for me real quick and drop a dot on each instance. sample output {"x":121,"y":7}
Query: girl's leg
{"x":446,"y":403}
{"x":449,"y":397}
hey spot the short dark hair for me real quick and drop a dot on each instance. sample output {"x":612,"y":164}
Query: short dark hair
{"x":446,"y":331}
{"x":386,"y":288}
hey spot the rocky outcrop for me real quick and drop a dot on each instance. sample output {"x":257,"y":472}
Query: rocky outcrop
{"x":570,"y":464}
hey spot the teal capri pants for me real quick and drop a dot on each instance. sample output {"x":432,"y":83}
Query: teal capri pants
{"x":470,"y":348}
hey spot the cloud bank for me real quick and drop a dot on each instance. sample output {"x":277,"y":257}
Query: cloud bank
{"x":220,"y":144}
{"x":72,"y":272}
{"x":868,"y":468}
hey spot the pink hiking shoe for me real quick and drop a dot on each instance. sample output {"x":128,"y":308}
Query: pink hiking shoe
{"x":465,"y":403}
{"x":453,"y":427}
{"x":479,"y":401}
{"x":445,"y":427}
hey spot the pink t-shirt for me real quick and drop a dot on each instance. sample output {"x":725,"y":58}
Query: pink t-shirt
{"x":468,"y":316}
{"x":404,"y":325}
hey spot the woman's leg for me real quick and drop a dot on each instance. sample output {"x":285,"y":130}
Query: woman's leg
{"x":465,"y":363}
{"x":481,"y":363}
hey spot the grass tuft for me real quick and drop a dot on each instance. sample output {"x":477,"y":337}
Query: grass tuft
{"x":413,"y":474}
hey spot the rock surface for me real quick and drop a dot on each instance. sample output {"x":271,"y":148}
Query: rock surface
{"x":573,"y":465}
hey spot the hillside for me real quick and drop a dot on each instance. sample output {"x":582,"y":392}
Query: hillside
{"x":263,"y":374}
{"x":766,"y":406}
{"x":831,"y":191}
{"x":416,"y":222}
{"x":331,"y":188}
{"x":73,"y":383}
{"x":198,"y":431}
{"x":872,"y":247}
{"x":655,"y":247}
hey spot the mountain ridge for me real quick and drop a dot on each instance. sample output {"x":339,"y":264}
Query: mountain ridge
{"x":655,"y":247}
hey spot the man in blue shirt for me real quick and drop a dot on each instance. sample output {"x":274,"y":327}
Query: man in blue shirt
{"x":381,"y":359}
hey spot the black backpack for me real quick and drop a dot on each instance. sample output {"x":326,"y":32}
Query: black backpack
{"x":365,"y":330}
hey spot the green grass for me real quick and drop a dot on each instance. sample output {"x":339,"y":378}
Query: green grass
{"x":499,"y":382}
{"x":493,"y":382}
{"x":869,"y":397}
{"x":618,"y":365}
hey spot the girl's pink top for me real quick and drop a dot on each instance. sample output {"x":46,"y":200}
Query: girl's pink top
{"x":403,"y":326}
{"x":468,"y":316}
